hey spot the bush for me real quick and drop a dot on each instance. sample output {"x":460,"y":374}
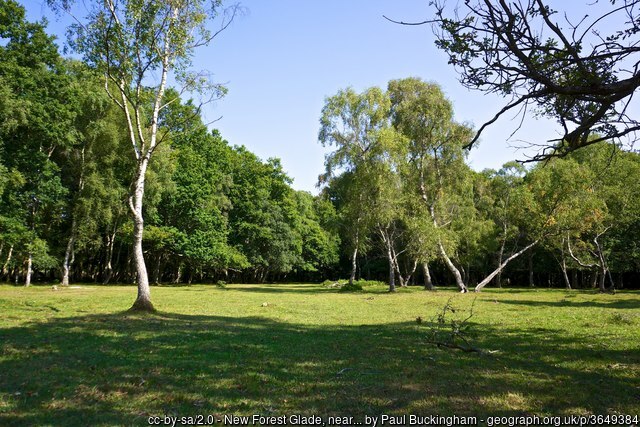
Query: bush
{"x":355,"y":287}
{"x":331,"y":283}
{"x":221,"y":284}
{"x":368,"y":283}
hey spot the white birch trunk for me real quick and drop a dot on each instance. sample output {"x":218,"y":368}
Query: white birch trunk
{"x":563,"y":266}
{"x":495,"y":272}
{"x":143,"y":300}
{"x":66,"y":265}
{"x":27,"y":281}
{"x":428,"y":284}
{"x":354,"y":263}
{"x":452,"y":268}
{"x":6,"y":263}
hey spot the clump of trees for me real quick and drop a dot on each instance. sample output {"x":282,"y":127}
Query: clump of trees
{"x":69,"y":184}
{"x":80,"y":174}
{"x":404,"y":192}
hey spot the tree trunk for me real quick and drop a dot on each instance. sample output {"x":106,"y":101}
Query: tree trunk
{"x":405,"y":281}
{"x":156,"y":270}
{"x":500,"y":255}
{"x":143,"y":300}
{"x":68,"y":257}
{"x":531,"y":284}
{"x":452,"y":268}
{"x":354,"y":264}
{"x":603,"y":277}
{"x":27,"y":281}
{"x":563,"y":266}
{"x":392,"y":274}
{"x":5,"y":270}
{"x":490,"y":277}
{"x":428,"y":284}
{"x":108,"y":270}
{"x":390,"y":257}
{"x":179,"y":274}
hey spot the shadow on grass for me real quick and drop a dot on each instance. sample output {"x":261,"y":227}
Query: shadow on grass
{"x":282,"y":288}
{"x":617,"y":304}
{"x":119,"y":369}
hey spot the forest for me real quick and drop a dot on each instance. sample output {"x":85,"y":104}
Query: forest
{"x":398,"y":202}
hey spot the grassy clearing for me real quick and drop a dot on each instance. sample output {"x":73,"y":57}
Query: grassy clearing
{"x":73,"y":357}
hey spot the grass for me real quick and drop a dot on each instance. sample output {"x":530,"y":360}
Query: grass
{"x":72,"y":356}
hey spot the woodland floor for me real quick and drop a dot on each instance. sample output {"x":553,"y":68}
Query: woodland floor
{"x":73,"y":356}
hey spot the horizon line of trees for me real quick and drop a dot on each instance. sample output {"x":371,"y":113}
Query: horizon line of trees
{"x":398,"y":200}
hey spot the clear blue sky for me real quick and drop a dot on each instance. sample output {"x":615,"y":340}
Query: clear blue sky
{"x":281,"y":58}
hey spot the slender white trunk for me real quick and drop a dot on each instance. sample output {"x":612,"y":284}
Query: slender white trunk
{"x":500,"y":256}
{"x":108,"y":270}
{"x":391,"y":257}
{"x":156,"y":270}
{"x":428,"y":284}
{"x":27,"y":281}
{"x":143,"y":300}
{"x":488,"y":279}
{"x":443,"y":254}
{"x":563,"y":266}
{"x":6,"y":263}
{"x":354,"y":263}
{"x":392,"y":274}
{"x":405,"y":281}
{"x":66,"y":265}
{"x":603,"y":276}
{"x":452,"y":268}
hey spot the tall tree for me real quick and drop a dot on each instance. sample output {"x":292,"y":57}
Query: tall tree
{"x":352,"y":123}
{"x":434,"y":160}
{"x":132,"y":42}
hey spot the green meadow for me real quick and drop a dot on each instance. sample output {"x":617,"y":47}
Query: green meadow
{"x":73,"y":356}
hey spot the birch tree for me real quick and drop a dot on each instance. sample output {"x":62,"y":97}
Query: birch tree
{"x":435,"y":159}
{"x":352,"y":123}
{"x":139,"y":45}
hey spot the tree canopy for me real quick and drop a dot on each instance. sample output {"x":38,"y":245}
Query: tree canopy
{"x":577,"y":66}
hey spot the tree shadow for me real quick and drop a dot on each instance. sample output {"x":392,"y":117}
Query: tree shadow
{"x":119,"y":369}
{"x":615,"y":304}
{"x":280,"y":288}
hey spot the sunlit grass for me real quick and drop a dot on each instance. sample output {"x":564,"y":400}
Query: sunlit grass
{"x":74,"y":356}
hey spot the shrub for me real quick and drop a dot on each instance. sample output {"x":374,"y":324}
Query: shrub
{"x":355,"y":287}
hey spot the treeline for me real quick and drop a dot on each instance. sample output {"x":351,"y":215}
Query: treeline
{"x":212,"y":211}
{"x":398,"y":200}
{"x":405,"y":195}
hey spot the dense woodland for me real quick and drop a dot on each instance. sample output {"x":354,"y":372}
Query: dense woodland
{"x":398,"y":202}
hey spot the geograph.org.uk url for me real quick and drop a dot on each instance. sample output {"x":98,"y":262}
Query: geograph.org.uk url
{"x":396,"y":420}
{"x":565,"y":420}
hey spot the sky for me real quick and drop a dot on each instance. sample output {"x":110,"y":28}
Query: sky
{"x":280,"y":59}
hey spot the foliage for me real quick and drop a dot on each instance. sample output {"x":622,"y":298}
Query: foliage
{"x":569,"y":65}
